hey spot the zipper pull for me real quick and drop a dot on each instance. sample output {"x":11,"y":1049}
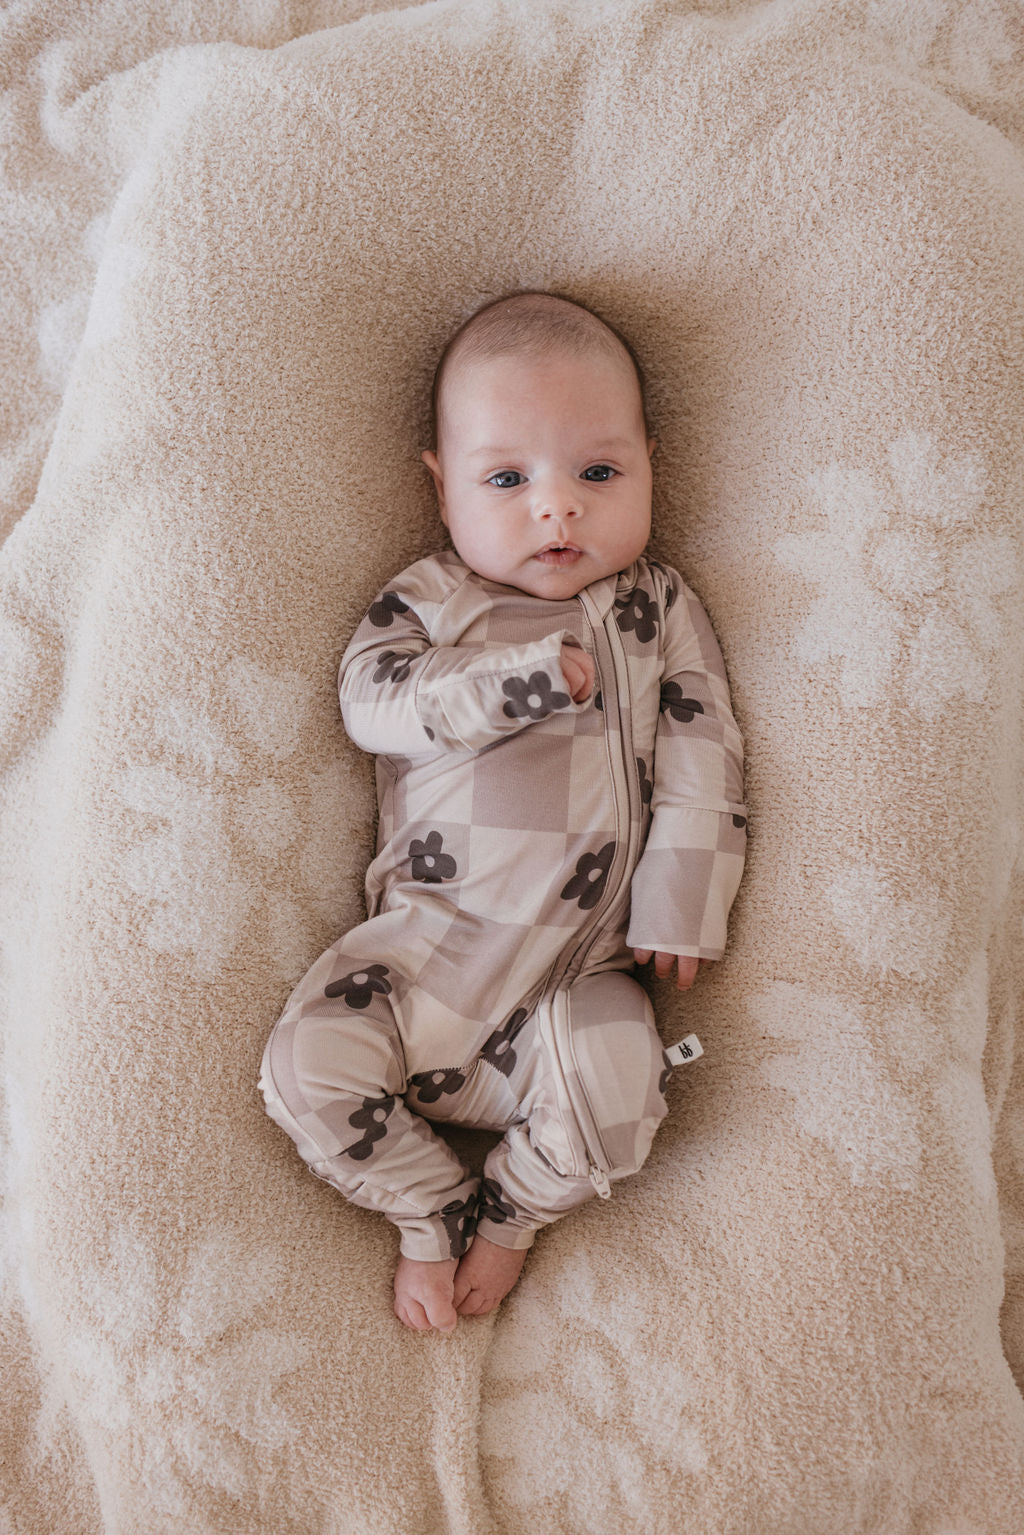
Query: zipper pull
{"x":600,"y":1182}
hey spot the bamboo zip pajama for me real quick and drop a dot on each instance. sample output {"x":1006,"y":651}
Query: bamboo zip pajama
{"x":526,"y":845}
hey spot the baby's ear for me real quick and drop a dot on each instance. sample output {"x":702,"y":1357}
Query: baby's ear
{"x":652,"y":443}
{"x":433,"y":463}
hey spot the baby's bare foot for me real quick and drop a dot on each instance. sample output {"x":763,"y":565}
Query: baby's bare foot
{"x":485,"y":1276}
{"x":423,"y":1294}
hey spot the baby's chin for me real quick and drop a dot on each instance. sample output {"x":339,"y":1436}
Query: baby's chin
{"x":555,"y":582}
{"x":559,"y":578}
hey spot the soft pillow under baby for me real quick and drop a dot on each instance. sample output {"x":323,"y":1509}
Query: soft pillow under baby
{"x":808,"y":217}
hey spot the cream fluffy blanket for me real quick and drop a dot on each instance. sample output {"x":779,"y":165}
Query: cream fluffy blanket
{"x":236,"y":236}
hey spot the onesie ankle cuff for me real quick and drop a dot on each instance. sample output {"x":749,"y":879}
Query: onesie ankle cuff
{"x":503,"y":1235}
{"x":434,"y":1238}
{"x":427,"y":1246}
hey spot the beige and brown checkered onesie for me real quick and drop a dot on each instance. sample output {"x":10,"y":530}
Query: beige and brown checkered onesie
{"x":526,"y":845}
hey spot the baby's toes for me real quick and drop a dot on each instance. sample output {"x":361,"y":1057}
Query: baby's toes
{"x":477,"y":1303}
{"x":442,"y":1315}
{"x":412,"y":1314}
{"x":462,"y":1284}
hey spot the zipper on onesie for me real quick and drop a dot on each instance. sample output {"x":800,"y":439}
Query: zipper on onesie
{"x":625,"y":784}
{"x":553,"y":1024}
{"x":598,"y":1161}
{"x":553,"y":1007}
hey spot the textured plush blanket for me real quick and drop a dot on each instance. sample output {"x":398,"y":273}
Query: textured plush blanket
{"x":235,"y":236}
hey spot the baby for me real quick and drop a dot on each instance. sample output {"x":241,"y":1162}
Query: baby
{"x":559,"y":777}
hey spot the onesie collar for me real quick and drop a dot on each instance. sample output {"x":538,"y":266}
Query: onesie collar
{"x":603,"y":593}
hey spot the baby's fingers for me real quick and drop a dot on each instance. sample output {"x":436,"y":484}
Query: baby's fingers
{"x":584,"y":686}
{"x":687,"y":972}
{"x":662,"y":962}
{"x":684,"y":966}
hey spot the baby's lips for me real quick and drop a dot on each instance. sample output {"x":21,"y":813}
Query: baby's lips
{"x":559,"y":554}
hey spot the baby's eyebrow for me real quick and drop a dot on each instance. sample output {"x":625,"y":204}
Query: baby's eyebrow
{"x":604,"y":445}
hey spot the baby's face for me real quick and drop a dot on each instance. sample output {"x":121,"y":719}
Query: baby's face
{"x":543,"y":470}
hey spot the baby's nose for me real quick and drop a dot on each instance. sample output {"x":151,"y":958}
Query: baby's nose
{"x":559,"y":501}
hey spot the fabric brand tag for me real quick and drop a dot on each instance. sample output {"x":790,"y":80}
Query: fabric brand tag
{"x":688,"y":1049}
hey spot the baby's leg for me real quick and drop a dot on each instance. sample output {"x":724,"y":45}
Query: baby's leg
{"x":478,"y":1097}
{"x":590,"y":1079}
{"x":334,"y":1079}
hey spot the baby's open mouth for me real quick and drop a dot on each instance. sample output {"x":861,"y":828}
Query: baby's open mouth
{"x":559,"y":554}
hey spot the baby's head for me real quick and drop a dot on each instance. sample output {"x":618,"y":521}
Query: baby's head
{"x":543,"y":457}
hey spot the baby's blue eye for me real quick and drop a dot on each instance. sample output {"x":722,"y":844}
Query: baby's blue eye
{"x":598,"y":473}
{"x":506,"y":479}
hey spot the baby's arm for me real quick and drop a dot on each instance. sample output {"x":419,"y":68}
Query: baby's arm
{"x":687,"y":878}
{"x":403,"y":695}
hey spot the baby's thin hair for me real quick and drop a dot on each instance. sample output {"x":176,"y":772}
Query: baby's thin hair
{"x":531,"y":323}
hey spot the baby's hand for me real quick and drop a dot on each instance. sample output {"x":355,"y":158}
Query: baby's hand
{"x":686,"y":972}
{"x":578,"y":669}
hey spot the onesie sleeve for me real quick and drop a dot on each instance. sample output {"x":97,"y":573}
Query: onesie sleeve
{"x":688,"y":875}
{"x":402,"y":695}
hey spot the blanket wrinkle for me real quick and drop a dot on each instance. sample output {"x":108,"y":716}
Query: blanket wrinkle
{"x":236,"y":238}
